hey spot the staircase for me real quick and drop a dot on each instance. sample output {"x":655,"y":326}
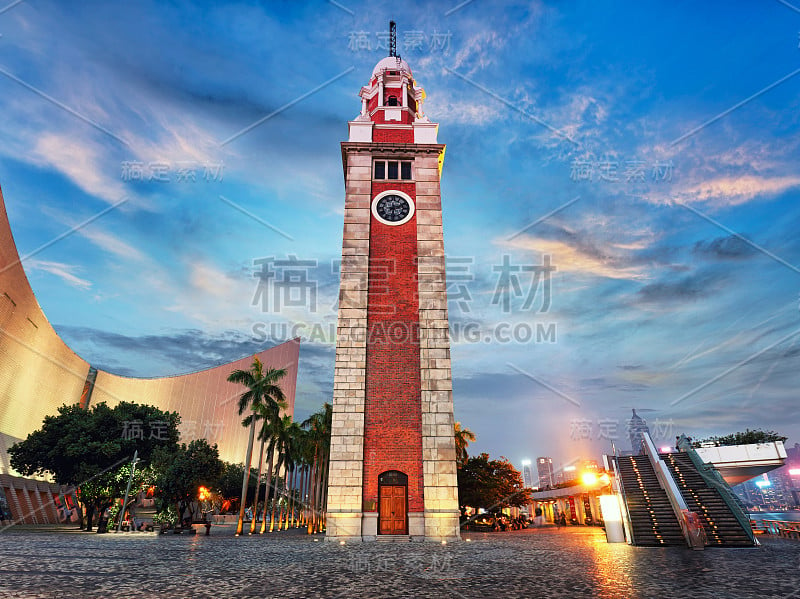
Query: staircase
{"x":722,"y":528}
{"x":652,"y":517}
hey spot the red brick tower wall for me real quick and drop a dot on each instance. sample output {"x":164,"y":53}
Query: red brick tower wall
{"x":393,"y":416}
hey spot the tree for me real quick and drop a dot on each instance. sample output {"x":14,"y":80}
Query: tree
{"x":87,"y":448}
{"x":268,"y":413}
{"x":268,"y":434}
{"x":319,"y":427}
{"x":183,"y":471}
{"x":262,"y":388}
{"x":463,"y":437}
{"x":230,"y":483}
{"x":490,"y":484}
{"x":746,"y":438}
{"x":284,"y":435}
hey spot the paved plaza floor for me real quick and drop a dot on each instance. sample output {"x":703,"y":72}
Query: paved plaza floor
{"x":571,"y":562}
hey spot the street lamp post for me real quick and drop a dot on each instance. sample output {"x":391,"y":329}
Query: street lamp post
{"x":128,"y":489}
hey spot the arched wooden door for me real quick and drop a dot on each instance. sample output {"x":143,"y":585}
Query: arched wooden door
{"x":393,"y":503}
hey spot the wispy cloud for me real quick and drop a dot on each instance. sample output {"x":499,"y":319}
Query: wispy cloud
{"x":572,"y":258}
{"x":112,"y":243}
{"x":83,"y":162}
{"x":736,"y":190}
{"x":66,"y":272}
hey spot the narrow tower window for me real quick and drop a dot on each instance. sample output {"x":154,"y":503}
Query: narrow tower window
{"x":405,"y":170}
{"x":380,"y":169}
{"x":392,"y":170}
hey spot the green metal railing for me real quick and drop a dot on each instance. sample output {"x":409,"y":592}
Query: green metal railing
{"x":715,"y":480}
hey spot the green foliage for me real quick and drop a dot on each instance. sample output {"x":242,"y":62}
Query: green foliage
{"x":78,"y":445}
{"x":745,"y":438}
{"x":92,"y":449}
{"x":490,"y":484}
{"x":463,"y":437}
{"x":229,"y":484}
{"x":183,"y":471}
{"x":262,"y":387}
{"x":167,"y":516}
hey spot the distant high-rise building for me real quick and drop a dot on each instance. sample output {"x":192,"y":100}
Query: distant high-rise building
{"x":527,"y":477}
{"x":636,"y":426}
{"x":544,"y":467}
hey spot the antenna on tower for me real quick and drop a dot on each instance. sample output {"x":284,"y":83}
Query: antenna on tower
{"x":393,"y":39}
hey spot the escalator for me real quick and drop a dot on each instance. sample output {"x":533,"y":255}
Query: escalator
{"x":721,"y":526}
{"x":652,"y":517}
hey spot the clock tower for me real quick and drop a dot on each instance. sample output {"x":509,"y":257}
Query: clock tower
{"x":392,"y":462}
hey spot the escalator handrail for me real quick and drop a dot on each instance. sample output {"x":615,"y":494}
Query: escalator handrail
{"x":714,"y":479}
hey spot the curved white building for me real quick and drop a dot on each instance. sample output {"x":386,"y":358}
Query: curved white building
{"x":39,"y":373}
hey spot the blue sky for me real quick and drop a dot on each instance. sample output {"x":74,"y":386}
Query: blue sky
{"x":661,"y":140}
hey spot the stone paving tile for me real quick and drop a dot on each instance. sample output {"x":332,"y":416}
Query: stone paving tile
{"x":572,"y":562}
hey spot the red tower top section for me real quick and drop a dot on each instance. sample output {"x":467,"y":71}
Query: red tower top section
{"x":392,"y":100}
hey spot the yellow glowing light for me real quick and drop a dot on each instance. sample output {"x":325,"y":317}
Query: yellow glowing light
{"x":202,"y":493}
{"x":609,"y":505}
{"x":589,"y":478}
{"x":605,"y":478}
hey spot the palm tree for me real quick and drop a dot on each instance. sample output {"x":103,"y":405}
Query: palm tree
{"x":268,"y":433}
{"x":464,"y":437}
{"x":268,"y":414}
{"x":283,"y":440}
{"x":262,"y":388}
{"x":291,"y":457}
{"x":319,"y":428}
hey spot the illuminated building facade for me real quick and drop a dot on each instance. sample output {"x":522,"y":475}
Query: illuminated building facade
{"x":39,"y":373}
{"x":527,"y":476}
{"x":544,"y":468}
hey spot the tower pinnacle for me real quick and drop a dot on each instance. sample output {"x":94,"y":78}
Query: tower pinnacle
{"x":393,"y":39}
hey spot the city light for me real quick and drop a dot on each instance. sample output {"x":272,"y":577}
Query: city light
{"x":589,"y":478}
{"x":794,"y":472}
{"x":763,"y":483}
{"x":665,"y":449}
{"x":569,"y":468}
{"x":202,"y":493}
{"x":526,"y":462}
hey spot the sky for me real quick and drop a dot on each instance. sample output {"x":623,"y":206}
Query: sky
{"x":620,"y":198}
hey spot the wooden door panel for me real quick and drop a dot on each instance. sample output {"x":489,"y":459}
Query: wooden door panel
{"x":392,"y":513}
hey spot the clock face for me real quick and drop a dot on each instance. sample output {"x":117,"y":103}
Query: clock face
{"x":392,"y":208}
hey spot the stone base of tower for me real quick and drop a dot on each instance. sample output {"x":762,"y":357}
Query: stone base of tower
{"x":443,"y":526}
{"x":343,"y":526}
{"x":422,"y":526}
